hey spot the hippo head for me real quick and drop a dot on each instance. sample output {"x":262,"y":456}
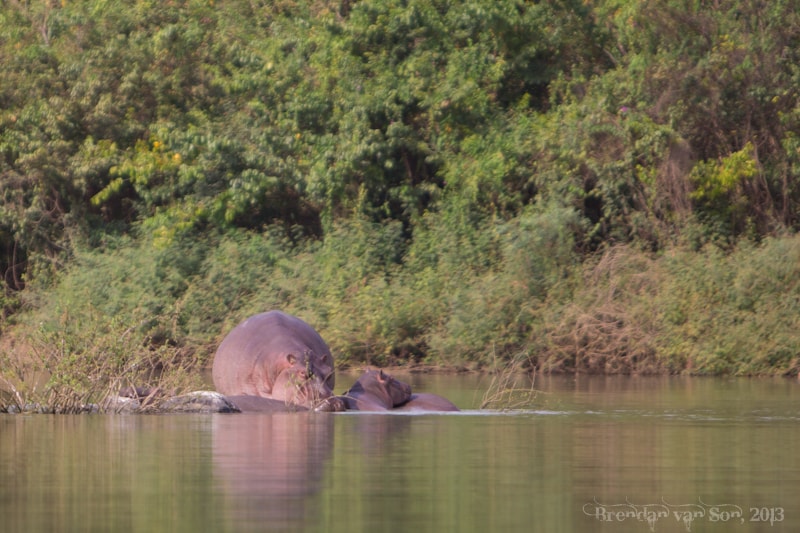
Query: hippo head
{"x":398,"y":391}
{"x":384,"y":388}
{"x":306,"y":381}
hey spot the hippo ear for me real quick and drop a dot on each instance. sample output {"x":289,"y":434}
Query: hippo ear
{"x":291,"y":358}
{"x":381,"y":376}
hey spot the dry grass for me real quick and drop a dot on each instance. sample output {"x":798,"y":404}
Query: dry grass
{"x":610,"y":330}
{"x":511,"y":387}
{"x":66,"y":371}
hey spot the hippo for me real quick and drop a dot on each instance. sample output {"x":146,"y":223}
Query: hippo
{"x":138,"y":393}
{"x":424,"y":401}
{"x":256,"y":404}
{"x":376,"y":391}
{"x":145,"y":395}
{"x":277,"y":356}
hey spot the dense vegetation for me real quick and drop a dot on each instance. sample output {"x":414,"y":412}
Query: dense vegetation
{"x":602,"y":186}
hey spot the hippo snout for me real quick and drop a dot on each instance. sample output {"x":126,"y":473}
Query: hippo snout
{"x":301,"y":387}
{"x":331,"y":404}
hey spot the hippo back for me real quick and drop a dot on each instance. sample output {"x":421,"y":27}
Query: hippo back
{"x":253,"y":355}
{"x":425,"y":401}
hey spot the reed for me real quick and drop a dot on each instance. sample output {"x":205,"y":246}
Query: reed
{"x":511,"y":386}
{"x":82,"y":369}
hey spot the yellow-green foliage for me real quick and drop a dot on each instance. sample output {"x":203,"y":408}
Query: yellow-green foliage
{"x":718,"y":180}
{"x":446,"y":180}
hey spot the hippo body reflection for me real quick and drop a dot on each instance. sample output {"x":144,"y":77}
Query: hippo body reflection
{"x":271,"y":466}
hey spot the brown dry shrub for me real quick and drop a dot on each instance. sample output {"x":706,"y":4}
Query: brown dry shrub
{"x":81,"y":363}
{"x":611,"y":329}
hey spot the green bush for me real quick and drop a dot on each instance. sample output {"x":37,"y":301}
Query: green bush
{"x":593,"y":186}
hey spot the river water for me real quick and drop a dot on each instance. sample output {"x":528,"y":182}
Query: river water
{"x":588,"y":454}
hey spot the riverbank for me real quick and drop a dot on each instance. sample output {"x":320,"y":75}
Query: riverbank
{"x":170,"y":169}
{"x":623,"y":311}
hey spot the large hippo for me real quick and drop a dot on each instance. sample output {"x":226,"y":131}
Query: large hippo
{"x":277,"y":356}
{"x":376,"y":391}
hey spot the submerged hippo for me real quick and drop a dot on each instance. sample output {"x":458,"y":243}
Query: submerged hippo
{"x":376,"y":391}
{"x":277,"y":356}
{"x":425,"y":401}
{"x":256,"y":404}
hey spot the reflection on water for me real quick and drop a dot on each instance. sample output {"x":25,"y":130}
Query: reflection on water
{"x":596,"y":454}
{"x":269,"y":467}
{"x":103,"y":473}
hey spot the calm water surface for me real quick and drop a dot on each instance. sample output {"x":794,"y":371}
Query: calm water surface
{"x":591,"y":454}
